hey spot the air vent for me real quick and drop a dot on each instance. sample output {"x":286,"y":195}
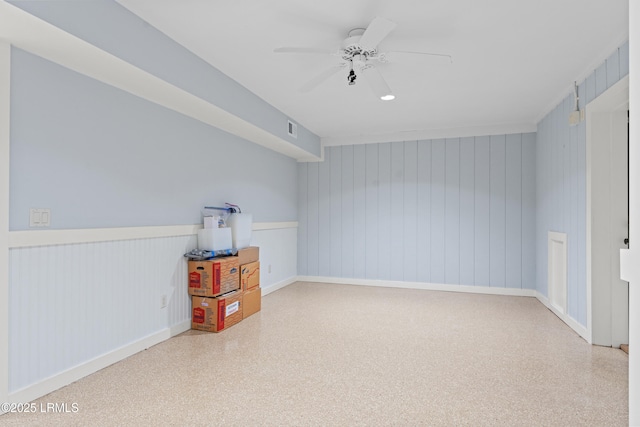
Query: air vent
{"x":292,"y":129}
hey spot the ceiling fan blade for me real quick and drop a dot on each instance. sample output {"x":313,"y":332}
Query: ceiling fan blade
{"x":377,"y":30}
{"x":314,"y":50}
{"x":377,"y":83}
{"x":320,"y":78}
{"x":416,"y":58}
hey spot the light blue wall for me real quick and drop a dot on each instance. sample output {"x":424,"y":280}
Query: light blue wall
{"x":454,"y":211}
{"x":111,"y":27}
{"x":561,"y":181}
{"x":101,"y":157}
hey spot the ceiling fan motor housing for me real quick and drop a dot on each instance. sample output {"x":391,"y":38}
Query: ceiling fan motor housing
{"x":351,"y":47}
{"x":359,"y":50}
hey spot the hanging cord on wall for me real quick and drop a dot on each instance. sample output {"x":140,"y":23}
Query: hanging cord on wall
{"x":576,"y":115}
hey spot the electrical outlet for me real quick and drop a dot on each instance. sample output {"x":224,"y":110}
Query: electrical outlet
{"x":163,"y":301}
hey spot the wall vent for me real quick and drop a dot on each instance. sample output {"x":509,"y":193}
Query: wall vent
{"x":292,"y":129}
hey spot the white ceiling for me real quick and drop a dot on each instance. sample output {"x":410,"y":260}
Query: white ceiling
{"x":513,"y":60}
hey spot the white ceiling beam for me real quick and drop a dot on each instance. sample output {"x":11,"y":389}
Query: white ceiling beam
{"x":41,"y":38}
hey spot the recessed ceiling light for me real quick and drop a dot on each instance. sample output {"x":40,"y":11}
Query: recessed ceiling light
{"x":388,"y":97}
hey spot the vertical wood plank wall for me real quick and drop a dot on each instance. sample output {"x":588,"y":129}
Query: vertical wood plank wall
{"x":561,"y":182}
{"x":458,"y":211}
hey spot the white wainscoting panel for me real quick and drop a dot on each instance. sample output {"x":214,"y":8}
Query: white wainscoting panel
{"x":278,"y":257}
{"x":69,"y":304}
{"x":78,"y":307}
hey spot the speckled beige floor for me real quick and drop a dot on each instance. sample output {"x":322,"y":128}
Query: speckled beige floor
{"x":336,"y":355}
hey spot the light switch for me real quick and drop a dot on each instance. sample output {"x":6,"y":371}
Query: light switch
{"x":45,"y":214}
{"x":39,"y":217}
{"x":34,"y":218}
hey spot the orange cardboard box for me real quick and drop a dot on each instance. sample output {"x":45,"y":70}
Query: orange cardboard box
{"x":215,"y":314}
{"x":247,"y":255}
{"x":251,"y":302}
{"x":213,"y":277}
{"x":250,"y":276}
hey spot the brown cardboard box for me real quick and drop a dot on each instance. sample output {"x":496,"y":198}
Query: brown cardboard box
{"x":247,"y":255}
{"x":213,"y":277}
{"x":250,"y":276}
{"x":218,"y":313}
{"x":251,"y":302}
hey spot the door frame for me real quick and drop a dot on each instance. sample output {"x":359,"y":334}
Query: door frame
{"x":601,"y":115}
{"x":634,"y":212}
{"x":5,"y":83}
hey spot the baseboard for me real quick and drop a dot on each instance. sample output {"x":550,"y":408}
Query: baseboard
{"x":269,"y":289}
{"x":422,"y":285}
{"x":181,"y":327}
{"x":76,"y":373}
{"x":571,"y":322}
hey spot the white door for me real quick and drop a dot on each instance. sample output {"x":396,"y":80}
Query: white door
{"x":607,"y":215}
{"x":619,"y":225}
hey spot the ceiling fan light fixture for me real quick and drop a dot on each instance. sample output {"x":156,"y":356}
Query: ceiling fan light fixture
{"x":378,"y":86}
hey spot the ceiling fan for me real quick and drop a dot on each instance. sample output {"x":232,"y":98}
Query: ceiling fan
{"x":359,"y":52}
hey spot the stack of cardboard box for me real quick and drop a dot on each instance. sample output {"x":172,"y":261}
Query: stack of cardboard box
{"x":224,"y":290}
